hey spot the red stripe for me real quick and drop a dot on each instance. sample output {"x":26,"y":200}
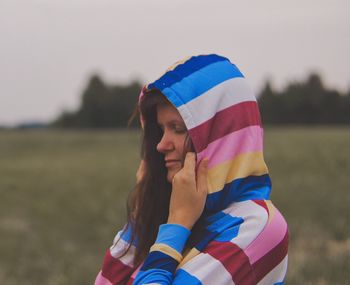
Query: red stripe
{"x":234,"y":260}
{"x":270,"y":260}
{"x":262,"y":203}
{"x":229,"y":120}
{"x":115,"y":270}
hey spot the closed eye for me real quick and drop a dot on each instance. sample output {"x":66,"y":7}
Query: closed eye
{"x":177,"y":128}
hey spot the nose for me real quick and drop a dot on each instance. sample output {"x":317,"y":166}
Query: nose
{"x":165,"y":144}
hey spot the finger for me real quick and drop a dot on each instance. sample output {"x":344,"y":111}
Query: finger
{"x":142,"y":164}
{"x":190,"y":162}
{"x":140,"y":171}
{"x":202,"y":174}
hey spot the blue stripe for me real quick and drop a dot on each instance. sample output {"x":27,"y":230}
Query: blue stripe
{"x":126,"y":235}
{"x":242,"y":189}
{"x":159,"y":260}
{"x":279,"y":283}
{"x":152,"y":275}
{"x":221,"y":221}
{"x":198,"y":82}
{"x":183,"y":70}
{"x":182,"y":277}
{"x":227,"y":227}
{"x":207,"y":237}
{"x":220,"y":227}
{"x":228,"y":234}
{"x":173,"y":235}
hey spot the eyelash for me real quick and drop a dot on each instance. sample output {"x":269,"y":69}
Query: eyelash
{"x":180,"y":131}
{"x":177,"y":130}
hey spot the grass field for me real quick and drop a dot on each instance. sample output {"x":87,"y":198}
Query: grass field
{"x":63,"y":197}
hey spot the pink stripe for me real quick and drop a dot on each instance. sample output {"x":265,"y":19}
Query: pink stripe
{"x":142,"y":94}
{"x":271,"y":260}
{"x":100,"y":280}
{"x":233,"y":144}
{"x":270,"y":237}
{"x":245,"y":113}
{"x":136,"y":271}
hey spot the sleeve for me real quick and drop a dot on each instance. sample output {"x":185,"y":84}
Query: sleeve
{"x":251,"y":248}
{"x":164,"y":256}
{"x":118,"y":267}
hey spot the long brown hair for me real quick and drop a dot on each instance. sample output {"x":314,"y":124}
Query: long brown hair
{"x":148,"y":204}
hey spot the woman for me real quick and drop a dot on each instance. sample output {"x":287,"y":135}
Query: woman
{"x":200,"y":213}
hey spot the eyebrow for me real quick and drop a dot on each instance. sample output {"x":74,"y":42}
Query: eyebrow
{"x":172,"y":122}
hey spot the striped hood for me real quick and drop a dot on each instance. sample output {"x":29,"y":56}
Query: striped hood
{"x":222,"y":116}
{"x":241,"y":238}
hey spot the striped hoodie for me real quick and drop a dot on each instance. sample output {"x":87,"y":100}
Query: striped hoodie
{"x":243,"y":238}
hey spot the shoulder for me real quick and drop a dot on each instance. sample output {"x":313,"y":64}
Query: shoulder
{"x":250,"y":246}
{"x":261,"y":222}
{"x":123,"y":247}
{"x":260,"y":243}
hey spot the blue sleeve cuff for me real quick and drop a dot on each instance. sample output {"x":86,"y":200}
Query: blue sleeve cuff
{"x":173,"y":235}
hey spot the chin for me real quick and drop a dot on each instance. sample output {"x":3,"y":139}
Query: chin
{"x":170,"y":178}
{"x":171,"y":175}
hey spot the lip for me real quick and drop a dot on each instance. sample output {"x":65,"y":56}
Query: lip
{"x":171,"y":162}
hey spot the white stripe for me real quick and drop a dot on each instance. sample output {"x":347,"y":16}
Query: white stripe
{"x":277,"y":274}
{"x":117,"y":237}
{"x":208,"y":270}
{"x":118,"y":248}
{"x":255,"y":218}
{"x":226,"y":94}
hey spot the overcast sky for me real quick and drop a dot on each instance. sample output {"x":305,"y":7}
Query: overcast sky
{"x":48,"y":48}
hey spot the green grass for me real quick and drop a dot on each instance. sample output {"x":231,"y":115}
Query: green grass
{"x":63,"y":196}
{"x":310,"y":170}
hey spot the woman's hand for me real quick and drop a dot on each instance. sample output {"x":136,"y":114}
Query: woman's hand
{"x":189,"y":192}
{"x":140,"y":171}
{"x":135,"y":198}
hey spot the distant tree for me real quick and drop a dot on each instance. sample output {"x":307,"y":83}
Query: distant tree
{"x":270,"y":103}
{"x":92,"y":106}
{"x":306,"y":102}
{"x":344,"y":109}
{"x":102,"y":106}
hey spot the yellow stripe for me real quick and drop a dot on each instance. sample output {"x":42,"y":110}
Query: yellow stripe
{"x":167,"y":250}
{"x":189,"y":255}
{"x":243,"y":165}
{"x":271,"y":208}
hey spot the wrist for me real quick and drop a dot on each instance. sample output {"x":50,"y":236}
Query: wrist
{"x":180,"y":221}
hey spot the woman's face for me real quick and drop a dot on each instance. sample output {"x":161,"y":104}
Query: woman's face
{"x":173,"y":139}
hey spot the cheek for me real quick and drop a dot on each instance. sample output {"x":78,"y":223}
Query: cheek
{"x":180,"y":145}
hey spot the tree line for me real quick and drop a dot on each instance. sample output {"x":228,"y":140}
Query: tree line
{"x":102,"y":106}
{"x":307,"y":102}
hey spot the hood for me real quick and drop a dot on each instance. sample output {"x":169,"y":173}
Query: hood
{"x":222,"y":116}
